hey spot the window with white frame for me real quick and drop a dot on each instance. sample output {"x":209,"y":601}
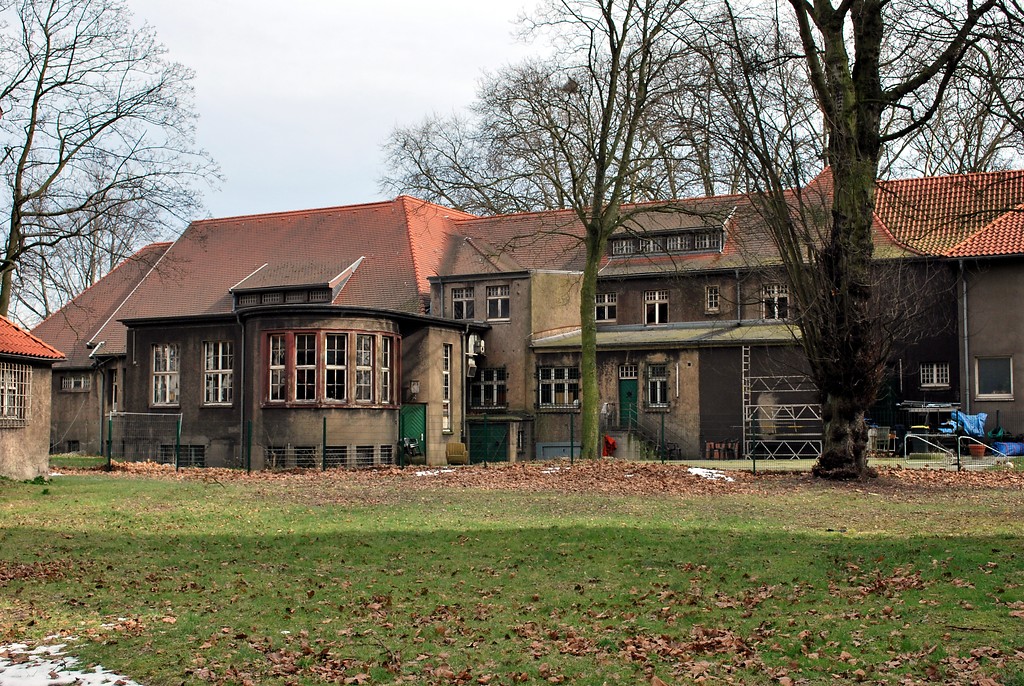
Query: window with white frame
{"x":276,"y":369}
{"x":607,"y":307}
{"x":446,"y":387}
{"x":558,"y":386}
{"x":489,"y":389}
{"x":166,"y":366}
{"x":677,"y":243}
{"x":655,"y":307}
{"x":712,"y":299}
{"x":364,"y":368}
{"x":305,"y":366}
{"x":707,"y":240}
{"x":657,"y":385}
{"x":994,"y":378}
{"x":386,"y":362}
{"x":218,"y":372}
{"x":623,"y":246}
{"x":650,"y":245}
{"x":497,"y":302}
{"x":462,"y":303}
{"x":15,"y":394}
{"x":336,"y":367}
{"x":935,"y":374}
{"x":775,"y":301}
{"x":627,"y":371}
{"x":72,"y":383}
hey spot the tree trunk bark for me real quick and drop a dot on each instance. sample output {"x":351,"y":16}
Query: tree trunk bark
{"x":590,"y":402}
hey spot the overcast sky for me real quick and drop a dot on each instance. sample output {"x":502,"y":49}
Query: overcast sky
{"x":296,"y":98}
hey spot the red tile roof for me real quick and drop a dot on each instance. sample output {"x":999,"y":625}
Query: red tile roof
{"x":964,"y":215}
{"x":18,"y":343}
{"x":80,"y":321}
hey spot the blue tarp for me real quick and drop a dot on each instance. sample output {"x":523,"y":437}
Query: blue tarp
{"x":970,"y":424}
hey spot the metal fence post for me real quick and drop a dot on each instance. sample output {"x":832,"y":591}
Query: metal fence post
{"x":323,"y":448}
{"x":248,"y":447}
{"x":662,"y":448}
{"x":572,"y":439}
{"x":110,"y":432}
{"x":177,"y":445}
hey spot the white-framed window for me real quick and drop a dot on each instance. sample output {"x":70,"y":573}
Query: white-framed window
{"x":707,"y":240}
{"x":462,"y":303}
{"x":655,"y":307}
{"x":676,"y":243}
{"x":15,"y":394}
{"x":386,"y":363}
{"x":558,"y":386}
{"x":994,"y":378}
{"x":272,"y":298}
{"x":248,"y":299}
{"x":497,"y":302}
{"x":623,"y":246}
{"x":364,"y":368}
{"x":649,"y":245}
{"x":657,"y":385}
{"x":276,"y":368}
{"x":336,"y":367}
{"x":935,"y":374}
{"x":775,"y":301}
{"x":73,"y":383}
{"x":606,"y":307}
{"x":166,"y":367}
{"x":446,"y":388}
{"x":627,"y":371}
{"x":489,"y":389}
{"x":712,"y":299}
{"x":305,"y":366}
{"x":218,"y":373}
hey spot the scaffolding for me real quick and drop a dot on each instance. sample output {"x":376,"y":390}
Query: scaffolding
{"x":778,"y":422}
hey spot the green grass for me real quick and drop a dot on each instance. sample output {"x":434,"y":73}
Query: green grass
{"x":278,"y":582}
{"x":76,"y":461}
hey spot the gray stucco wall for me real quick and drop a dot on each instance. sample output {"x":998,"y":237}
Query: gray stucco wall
{"x":24,"y":450}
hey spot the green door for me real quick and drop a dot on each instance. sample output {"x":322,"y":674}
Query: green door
{"x":488,"y":442}
{"x":412,"y":424}
{"x":627,"y":402}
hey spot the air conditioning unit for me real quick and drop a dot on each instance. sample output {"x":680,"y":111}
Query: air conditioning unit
{"x":471,"y":368}
{"x":476,"y":345}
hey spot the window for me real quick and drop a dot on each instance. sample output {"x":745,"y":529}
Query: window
{"x":336,"y":456}
{"x":165,"y":374}
{"x":220,"y":362}
{"x":305,"y":366}
{"x":623,"y":246}
{"x":775,"y":301}
{"x":387,"y":454}
{"x":994,"y":378}
{"x":934,"y":374}
{"x":15,"y":394}
{"x":656,"y":307}
{"x":364,"y":368}
{"x":271,"y":298}
{"x":305,"y":456}
{"x":446,"y":388}
{"x":364,"y":455}
{"x":248,"y":299}
{"x":627,"y":371}
{"x":676,"y":243}
{"x":558,"y":386}
{"x":276,"y":367}
{"x":75,"y":382}
{"x":489,"y":389}
{"x":385,"y":370}
{"x":295,"y":297}
{"x":712,"y":300}
{"x":336,"y":366}
{"x":319,"y":296}
{"x":707,"y":240}
{"x":657,"y":385}
{"x":650,"y":244}
{"x":462,"y":303}
{"x":607,"y":307}
{"x":497,"y":302}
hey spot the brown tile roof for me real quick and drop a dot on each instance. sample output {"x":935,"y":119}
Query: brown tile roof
{"x":79,"y":322}
{"x":964,"y":215}
{"x":19,"y":343}
{"x":394,"y":246}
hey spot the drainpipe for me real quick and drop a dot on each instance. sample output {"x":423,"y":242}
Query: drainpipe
{"x":465,"y":396}
{"x":966,"y":390}
{"x":97,"y":365}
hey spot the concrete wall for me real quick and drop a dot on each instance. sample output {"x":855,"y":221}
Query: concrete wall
{"x":24,"y":450}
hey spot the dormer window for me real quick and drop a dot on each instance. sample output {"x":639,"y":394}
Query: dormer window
{"x":248,"y":300}
{"x":683,"y":242}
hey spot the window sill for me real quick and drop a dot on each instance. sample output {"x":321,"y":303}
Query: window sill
{"x":220,"y":405}
{"x":165,"y":406}
{"x":994,"y":398}
{"x":934,"y":387}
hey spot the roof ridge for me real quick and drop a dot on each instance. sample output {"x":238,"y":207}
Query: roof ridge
{"x":977,"y":236}
{"x":286,"y":213}
{"x":135,"y":288}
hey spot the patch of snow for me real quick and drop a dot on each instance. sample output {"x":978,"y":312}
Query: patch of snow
{"x":709,"y":473}
{"x":53,"y":474}
{"x":434,"y":472}
{"x":552,"y":470}
{"x":48,"y":666}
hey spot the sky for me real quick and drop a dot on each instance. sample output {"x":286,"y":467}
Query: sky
{"x":295,"y":99}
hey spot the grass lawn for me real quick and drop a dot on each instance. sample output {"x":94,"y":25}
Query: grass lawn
{"x":316,"y":579}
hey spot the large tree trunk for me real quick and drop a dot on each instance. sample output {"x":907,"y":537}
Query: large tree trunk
{"x":590,"y":403}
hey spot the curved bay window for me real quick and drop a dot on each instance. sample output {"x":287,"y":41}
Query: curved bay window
{"x":320,"y":368}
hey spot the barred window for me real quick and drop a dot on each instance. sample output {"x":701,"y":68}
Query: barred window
{"x":490,"y":388}
{"x":657,"y":385}
{"x":15,"y":394}
{"x":558,"y":386}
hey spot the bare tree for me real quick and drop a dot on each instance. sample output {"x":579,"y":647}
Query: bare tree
{"x":868,"y":62}
{"x":97,"y":133}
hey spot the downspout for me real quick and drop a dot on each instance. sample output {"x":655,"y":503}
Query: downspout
{"x":465,"y":398}
{"x":97,"y":365}
{"x":966,"y":390}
